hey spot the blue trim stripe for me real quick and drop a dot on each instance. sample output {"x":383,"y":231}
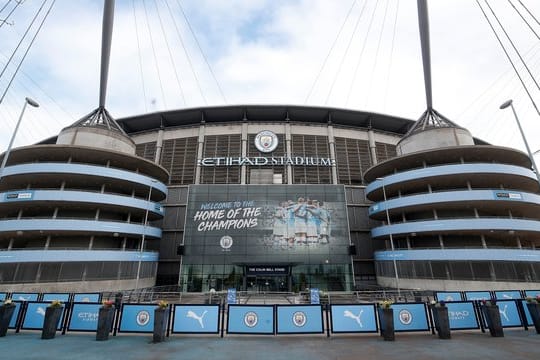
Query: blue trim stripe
{"x":457,"y":225}
{"x":81,"y":197}
{"x":16,"y":256}
{"x":450,"y":170}
{"x":86,"y":170}
{"x":430,"y":199}
{"x":90,"y":226}
{"x":460,"y":254}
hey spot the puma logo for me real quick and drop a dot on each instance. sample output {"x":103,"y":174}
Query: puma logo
{"x":356,"y":318}
{"x":191,"y":314}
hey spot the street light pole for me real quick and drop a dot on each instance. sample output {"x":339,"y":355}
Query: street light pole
{"x":504,"y":106}
{"x":141,"y":247}
{"x":6,"y":155}
{"x":391,"y":238}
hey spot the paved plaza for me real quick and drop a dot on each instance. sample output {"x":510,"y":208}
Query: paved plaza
{"x":517,"y":344}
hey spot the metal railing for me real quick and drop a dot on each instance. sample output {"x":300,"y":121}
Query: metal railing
{"x":173,"y":296}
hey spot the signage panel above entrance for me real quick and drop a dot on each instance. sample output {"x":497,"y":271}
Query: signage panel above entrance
{"x":267,"y":270}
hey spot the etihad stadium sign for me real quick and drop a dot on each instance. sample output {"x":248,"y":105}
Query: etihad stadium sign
{"x":266,"y":142}
{"x":273,"y":160}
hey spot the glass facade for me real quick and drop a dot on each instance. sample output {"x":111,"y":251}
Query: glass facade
{"x":269,"y":237}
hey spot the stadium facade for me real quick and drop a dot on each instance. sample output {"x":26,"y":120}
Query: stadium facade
{"x":268,"y":198}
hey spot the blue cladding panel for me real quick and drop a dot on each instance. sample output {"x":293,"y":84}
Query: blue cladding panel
{"x":93,"y":226}
{"x":86,"y":297}
{"x":448,"y":296}
{"x":353,"y":318}
{"x":81,"y":197}
{"x":457,"y":225}
{"x":24,"y":296}
{"x":63,"y":297}
{"x":460,"y":254}
{"x":15,"y":256}
{"x":477,"y":295}
{"x":507,"y":295}
{"x":444,"y":170}
{"x":86,"y":170}
{"x":532,"y":293}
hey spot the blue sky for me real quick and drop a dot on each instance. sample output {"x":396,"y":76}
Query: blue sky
{"x":264,"y":51}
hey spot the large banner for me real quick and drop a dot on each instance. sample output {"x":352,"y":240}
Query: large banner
{"x":196,"y":319}
{"x":35,"y":316}
{"x":410,"y":317}
{"x":262,"y":224}
{"x":353,"y":318}
{"x":462,"y":315}
{"x":299,"y":319}
{"x":137,"y":318}
{"x":250,"y":319}
{"x":84,"y":317}
{"x":508,"y":309}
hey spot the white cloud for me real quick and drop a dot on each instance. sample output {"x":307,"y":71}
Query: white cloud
{"x":270,"y":52}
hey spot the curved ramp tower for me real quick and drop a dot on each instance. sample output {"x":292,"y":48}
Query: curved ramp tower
{"x":74,"y":216}
{"x":456,"y":216}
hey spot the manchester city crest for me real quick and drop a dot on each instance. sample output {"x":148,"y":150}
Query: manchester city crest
{"x":299,"y":319}
{"x":143,"y":317}
{"x":251,"y":319}
{"x":405,"y":317}
{"x":266,"y":141}
{"x":226,"y":242}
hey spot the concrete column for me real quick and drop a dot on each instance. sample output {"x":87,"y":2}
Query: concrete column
{"x":372,"y":146}
{"x":159,"y":146}
{"x":483,"y":239}
{"x":48,"y":242}
{"x":441,"y":242}
{"x":288,"y":150}
{"x":332,"y":145}
{"x":243,"y":169}
{"x":200,"y":153}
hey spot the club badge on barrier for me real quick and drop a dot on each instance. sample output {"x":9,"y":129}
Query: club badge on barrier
{"x":299,"y":319}
{"x":405,"y":317}
{"x":251,"y":319}
{"x":143,"y":317}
